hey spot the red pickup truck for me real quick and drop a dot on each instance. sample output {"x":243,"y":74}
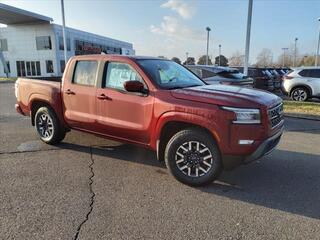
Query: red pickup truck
{"x":197,"y":129}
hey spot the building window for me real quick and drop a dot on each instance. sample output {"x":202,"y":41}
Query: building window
{"x":85,"y":73}
{"x":3,"y":45}
{"x":62,"y":65}
{"x":61,"y":44}
{"x":43,"y":43}
{"x":49,"y":66}
{"x":21,"y":71}
{"x":33,"y":68}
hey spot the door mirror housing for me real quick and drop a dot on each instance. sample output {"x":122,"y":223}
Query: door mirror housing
{"x":134,"y":86}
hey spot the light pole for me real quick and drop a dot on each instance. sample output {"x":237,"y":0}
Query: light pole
{"x":284,"y":55}
{"x":317,"y":53}
{"x":246,"y":59}
{"x":295,"y":52}
{"x":219,"y":54}
{"x":64,"y":33}
{"x":187,"y":54}
{"x":207,"y":56}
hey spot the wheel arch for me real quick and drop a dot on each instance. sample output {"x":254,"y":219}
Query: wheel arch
{"x":310,"y":91}
{"x":176,"y":122}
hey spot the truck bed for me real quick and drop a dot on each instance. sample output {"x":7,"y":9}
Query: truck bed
{"x":32,"y":90}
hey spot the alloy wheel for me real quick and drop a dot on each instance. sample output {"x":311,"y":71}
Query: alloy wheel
{"x":194,"y":159}
{"x":45,"y":126}
{"x":299,"y":95}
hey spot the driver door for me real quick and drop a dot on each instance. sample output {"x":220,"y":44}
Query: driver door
{"x":121,"y":114}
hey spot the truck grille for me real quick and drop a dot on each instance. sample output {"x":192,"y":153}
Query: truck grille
{"x":276,"y":115}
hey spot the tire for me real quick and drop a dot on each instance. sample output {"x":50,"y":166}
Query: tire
{"x":197,"y":166}
{"x":300,"y":94}
{"x":48,"y":126}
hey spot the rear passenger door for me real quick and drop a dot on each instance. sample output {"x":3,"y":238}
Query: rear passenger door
{"x":122,"y":114}
{"x":79,"y":95}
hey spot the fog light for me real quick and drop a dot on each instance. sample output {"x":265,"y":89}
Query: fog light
{"x":245,"y":142}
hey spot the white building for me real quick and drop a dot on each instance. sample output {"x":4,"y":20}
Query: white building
{"x":31,"y":45}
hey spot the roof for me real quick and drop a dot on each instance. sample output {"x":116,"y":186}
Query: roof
{"x":11,"y":15}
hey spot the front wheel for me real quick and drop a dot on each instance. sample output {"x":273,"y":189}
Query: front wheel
{"x":48,"y":126}
{"x":193,"y":157}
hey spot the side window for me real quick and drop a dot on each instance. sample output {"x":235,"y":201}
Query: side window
{"x":315,"y":73}
{"x":118,"y":73}
{"x":85,"y":73}
{"x":305,"y":73}
{"x":207,"y":74}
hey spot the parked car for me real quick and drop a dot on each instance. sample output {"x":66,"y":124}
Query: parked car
{"x":276,"y":78}
{"x":196,"y":128}
{"x":221,"y":75}
{"x":302,"y":83}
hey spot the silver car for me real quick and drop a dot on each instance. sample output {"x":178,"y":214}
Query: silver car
{"x":302,"y":83}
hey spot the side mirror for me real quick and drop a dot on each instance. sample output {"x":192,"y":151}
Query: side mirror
{"x":134,"y":86}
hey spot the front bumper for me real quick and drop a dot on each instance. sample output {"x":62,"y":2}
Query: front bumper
{"x":265,"y":147}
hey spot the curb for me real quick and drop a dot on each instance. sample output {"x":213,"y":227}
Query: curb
{"x":8,"y":81}
{"x":301,"y":116}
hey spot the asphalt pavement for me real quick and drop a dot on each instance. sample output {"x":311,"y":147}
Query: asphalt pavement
{"x":92,"y":188}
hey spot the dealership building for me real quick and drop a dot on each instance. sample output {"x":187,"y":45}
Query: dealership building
{"x":32,"y":45}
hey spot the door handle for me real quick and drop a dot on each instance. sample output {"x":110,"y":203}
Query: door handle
{"x":69,"y":92}
{"x":103,"y":97}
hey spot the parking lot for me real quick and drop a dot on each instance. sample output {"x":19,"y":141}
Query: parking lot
{"x":92,"y":188}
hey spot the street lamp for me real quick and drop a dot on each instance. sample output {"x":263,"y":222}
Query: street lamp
{"x":187,"y":54}
{"x":295,"y":52}
{"x":246,"y":60}
{"x":64,"y":33}
{"x":207,"y":57}
{"x":219,"y":54}
{"x":317,"y":54}
{"x":284,"y":55}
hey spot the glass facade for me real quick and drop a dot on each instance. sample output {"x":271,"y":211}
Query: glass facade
{"x":61,"y":47}
{"x":85,"y":47}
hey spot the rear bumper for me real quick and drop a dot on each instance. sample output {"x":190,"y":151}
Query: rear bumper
{"x":18,"y":109}
{"x":266,"y":147}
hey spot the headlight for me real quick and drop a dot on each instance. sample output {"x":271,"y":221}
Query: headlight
{"x":245,"y":115}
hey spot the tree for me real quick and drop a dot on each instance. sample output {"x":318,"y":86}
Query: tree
{"x":285,"y":60}
{"x":223,"y":61}
{"x":307,"y":61}
{"x":202,"y":60}
{"x":264,"y":58}
{"x":190,"y":61}
{"x":175,"y":59}
{"x":236,"y":59}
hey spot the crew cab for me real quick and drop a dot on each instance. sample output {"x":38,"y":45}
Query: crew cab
{"x":196,"y":128}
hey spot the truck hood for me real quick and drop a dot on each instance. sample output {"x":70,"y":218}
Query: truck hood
{"x":227,"y":96}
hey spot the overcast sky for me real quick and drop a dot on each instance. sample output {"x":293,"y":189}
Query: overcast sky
{"x":174,"y":27}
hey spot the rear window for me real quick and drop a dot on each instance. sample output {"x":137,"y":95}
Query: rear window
{"x":85,"y":73}
{"x":207,"y":74}
{"x":314,"y":73}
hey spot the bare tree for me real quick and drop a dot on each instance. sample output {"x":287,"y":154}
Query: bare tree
{"x":264,"y":58}
{"x":307,"y":60}
{"x":236,"y":59}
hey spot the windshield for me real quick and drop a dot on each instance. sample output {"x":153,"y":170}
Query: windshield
{"x":169,"y":75}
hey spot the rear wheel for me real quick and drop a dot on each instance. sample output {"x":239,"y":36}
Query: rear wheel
{"x":193,"y":158}
{"x":48,"y":126}
{"x":300,"y":94}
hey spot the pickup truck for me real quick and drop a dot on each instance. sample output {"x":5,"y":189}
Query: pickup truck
{"x":196,"y":128}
